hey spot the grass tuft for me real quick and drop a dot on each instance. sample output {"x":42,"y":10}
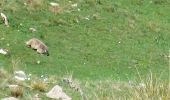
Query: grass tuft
{"x":39,"y":85}
{"x":152,"y":88}
{"x":17,"y":91}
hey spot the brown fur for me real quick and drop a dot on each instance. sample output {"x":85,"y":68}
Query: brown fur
{"x":38,"y":45}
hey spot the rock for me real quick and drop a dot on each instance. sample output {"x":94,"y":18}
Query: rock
{"x":4,"y":18}
{"x":38,"y":62}
{"x":74,"y":5}
{"x":54,"y":4}
{"x":3,"y":51}
{"x":55,"y":8}
{"x":32,"y":30}
{"x":20,"y":75}
{"x":36,"y":97}
{"x":9,"y":98}
{"x":57,"y":93}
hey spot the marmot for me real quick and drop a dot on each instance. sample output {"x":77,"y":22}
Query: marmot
{"x":37,"y":45}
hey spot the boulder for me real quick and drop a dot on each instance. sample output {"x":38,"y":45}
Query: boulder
{"x":9,"y":98}
{"x":57,"y":93}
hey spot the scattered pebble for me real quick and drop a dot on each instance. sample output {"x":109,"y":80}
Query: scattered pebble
{"x":25,"y":3}
{"x":28,"y":78}
{"x":32,"y":29}
{"x":38,"y":62}
{"x":20,"y":75}
{"x":45,"y":79}
{"x":36,"y":97}
{"x":74,"y":5}
{"x":78,"y":9}
{"x":21,"y":24}
{"x":29,"y":75}
{"x":3,"y":51}
{"x":54,"y":4}
{"x":87,"y":18}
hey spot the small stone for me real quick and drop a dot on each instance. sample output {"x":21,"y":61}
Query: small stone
{"x":29,"y":74}
{"x":45,"y":79}
{"x":8,"y":44}
{"x":36,"y":97}
{"x":25,"y":3}
{"x":32,"y":29}
{"x":74,"y":5}
{"x":3,"y":51}
{"x":78,"y":9}
{"x":20,"y":75}
{"x":87,"y":18}
{"x":54,"y":4}
{"x":38,"y":62}
{"x":28,"y":78}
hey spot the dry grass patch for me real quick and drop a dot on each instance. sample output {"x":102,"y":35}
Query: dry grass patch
{"x":152,"y":88}
{"x":17,"y":91}
{"x":39,"y":85}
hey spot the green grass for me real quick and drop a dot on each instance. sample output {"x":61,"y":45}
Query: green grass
{"x":120,"y":36}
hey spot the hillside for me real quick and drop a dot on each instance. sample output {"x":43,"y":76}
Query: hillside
{"x":93,"y":40}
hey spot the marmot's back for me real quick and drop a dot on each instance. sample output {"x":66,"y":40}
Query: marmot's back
{"x":38,"y":45}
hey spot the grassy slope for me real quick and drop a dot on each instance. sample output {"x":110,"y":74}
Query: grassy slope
{"x":90,"y":49}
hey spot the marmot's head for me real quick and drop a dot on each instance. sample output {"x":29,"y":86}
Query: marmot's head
{"x":27,"y":44}
{"x":46,"y":53}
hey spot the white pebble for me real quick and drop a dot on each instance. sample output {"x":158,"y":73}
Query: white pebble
{"x":54,"y":4}
{"x":78,"y":9}
{"x":74,"y":5}
{"x":38,"y":62}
